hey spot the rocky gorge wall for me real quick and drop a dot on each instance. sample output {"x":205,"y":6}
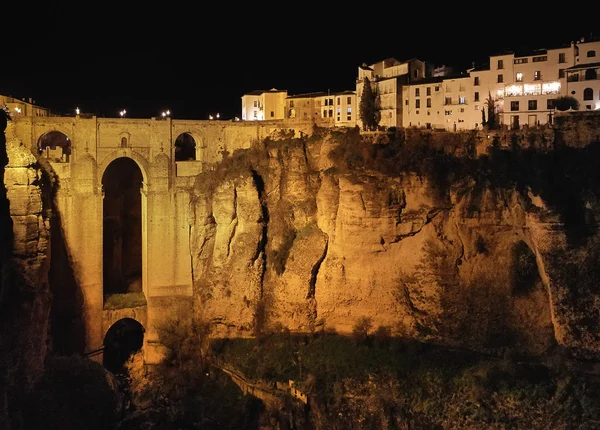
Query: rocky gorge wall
{"x":480,"y":242}
{"x":25,"y":297}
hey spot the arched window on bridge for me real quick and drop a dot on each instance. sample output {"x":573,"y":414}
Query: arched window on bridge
{"x":55,"y":146}
{"x":123,"y":142}
{"x":185,"y":147}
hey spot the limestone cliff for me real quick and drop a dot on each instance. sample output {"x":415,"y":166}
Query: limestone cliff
{"x":483,"y":242}
{"x":24,"y":290}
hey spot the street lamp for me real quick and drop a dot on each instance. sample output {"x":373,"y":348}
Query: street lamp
{"x":210,"y":117}
{"x":217,"y":115}
{"x":122,"y":113}
{"x":166,"y":113}
{"x":77,"y":111}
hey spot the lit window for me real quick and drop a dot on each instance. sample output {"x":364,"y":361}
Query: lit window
{"x":519,"y":77}
{"x":338,"y":110}
{"x":461,"y":100}
{"x":537,"y":75}
{"x":349,"y":110}
{"x":532,"y":89}
{"x":550,"y":87}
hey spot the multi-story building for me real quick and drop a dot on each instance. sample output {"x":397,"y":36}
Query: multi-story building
{"x":345,"y":113}
{"x":388,"y":77}
{"x":316,"y":106}
{"x":22,"y":107}
{"x":441,"y":102}
{"x":582,"y":79}
{"x":523,"y":86}
{"x":260,"y":105}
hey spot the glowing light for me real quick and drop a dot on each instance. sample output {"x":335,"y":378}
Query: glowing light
{"x":18,"y":109}
{"x":514,"y":90}
{"x":77,"y":111}
{"x":166,"y":113}
{"x":551,"y":87}
{"x":532,"y":90}
{"x":122,"y":113}
{"x":217,"y":115}
{"x":500,"y":93}
{"x":210,"y":117}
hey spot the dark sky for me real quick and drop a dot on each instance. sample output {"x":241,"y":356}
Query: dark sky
{"x":199,"y":58}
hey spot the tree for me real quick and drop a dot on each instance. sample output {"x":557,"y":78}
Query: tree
{"x":563,"y":103}
{"x":492,"y":123}
{"x":368,"y":110}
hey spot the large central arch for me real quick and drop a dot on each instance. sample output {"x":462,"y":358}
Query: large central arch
{"x":124,"y":229}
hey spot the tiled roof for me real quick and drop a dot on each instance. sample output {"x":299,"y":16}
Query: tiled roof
{"x":583,"y":66}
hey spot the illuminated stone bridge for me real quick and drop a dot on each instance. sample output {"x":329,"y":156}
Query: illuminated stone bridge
{"x":122,"y":200}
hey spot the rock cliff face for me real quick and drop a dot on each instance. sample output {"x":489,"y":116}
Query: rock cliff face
{"x":454,"y":239}
{"x":24,"y":290}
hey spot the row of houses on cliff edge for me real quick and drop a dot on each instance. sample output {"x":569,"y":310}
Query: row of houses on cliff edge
{"x":522,"y":88}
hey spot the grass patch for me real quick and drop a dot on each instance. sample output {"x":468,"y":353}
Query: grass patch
{"x":123,"y":301}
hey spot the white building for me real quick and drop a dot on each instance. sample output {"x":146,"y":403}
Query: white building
{"x":260,"y":105}
{"x":345,"y":109}
{"x":582,"y":79}
{"x":442,"y":102}
{"x":388,"y":77}
{"x":524,"y":85}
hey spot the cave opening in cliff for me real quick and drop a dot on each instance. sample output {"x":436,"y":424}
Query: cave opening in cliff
{"x":122,"y":227}
{"x":185,"y":147}
{"x":55,"y":146}
{"x":123,"y":338}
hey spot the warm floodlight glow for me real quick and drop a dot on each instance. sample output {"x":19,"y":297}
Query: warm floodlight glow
{"x":122,"y":113}
{"x":18,"y":109}
{"x":217,"y":115}
{"x":77,"y":111}
{"x":551,"y":87}
{"x":210,"y":117}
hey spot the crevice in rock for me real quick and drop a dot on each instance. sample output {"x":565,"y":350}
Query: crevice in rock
{"x":234,"y":221}
{"x":362,"y":201}
{"x":314,"y":272}
{"x":305,"y":156}
{"x":261,"y":246}
{"x":428,"y":218}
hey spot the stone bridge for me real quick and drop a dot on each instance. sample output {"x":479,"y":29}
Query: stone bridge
{"x":122,"y":201}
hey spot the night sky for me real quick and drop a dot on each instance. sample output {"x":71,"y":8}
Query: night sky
{"x":198,"y":60}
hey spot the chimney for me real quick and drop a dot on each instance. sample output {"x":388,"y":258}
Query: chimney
{"x":30,"y":100}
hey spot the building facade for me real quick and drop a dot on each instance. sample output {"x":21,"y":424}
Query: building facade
{"x":387,"y":78}
{"x":582,"y":78}
{"x":261,"y":105}
{"x":441,"y":102}
{"x":17,"y":107}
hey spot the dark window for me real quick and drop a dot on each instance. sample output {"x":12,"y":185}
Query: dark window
{"x":476,"y":80}
{"x":338,"y":100}
{"x":514,"y":105}
{"x":537,"y":75}
{"x":330,"y":113}
{"x":561,"y":73}
{"x":500,"y":78}
{"x":349,"y":100}
{"x":550,"y":104}
{"x":123,"y":142}
{"x":448,"y":101}
{"x":428,"y":103}
{"x":561,"y":58}
{"x":417,"y":92}
{"x":500,"y":64}
{"x":417,"y":103}
{"x":591,"y":54}
{"x":428,"y":91}
{"x":532,"y":105}
{"x":272,"y":114}
{"x":588,"y":94}
{"x":476,"y":97}
{"x":591,"y":74}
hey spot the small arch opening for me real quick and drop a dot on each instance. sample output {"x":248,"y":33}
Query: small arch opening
{"x":55,"y":146}
{"x":123,"y":142}
{"x":588,"y":94}
{"x":123,"y":338}
{"x":185,"y":147}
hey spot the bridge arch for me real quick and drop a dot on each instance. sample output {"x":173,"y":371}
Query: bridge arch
{"x":140,"y":160}
{"x":55,"y":146}
{"x":186,"y":147}
{"x":124,"y":228}
{"x":122,"y":339}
